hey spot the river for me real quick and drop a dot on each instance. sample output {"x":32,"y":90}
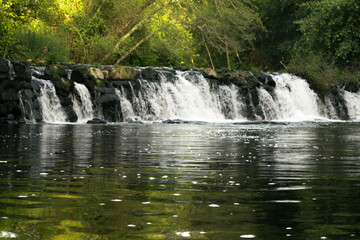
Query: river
{"x":180,"y":181}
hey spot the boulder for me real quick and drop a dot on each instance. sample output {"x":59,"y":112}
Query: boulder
{"x":97,"y":121}
{"x":124,"y":73}
{"x":38,"y":116}
{"x":70,"y":113}
{"x":81,"y":75}
{"x":9,"y":95}
{"x":55,"y":71}
{"x":210,"y":73}
{"x":63,"y":86}
{"x":22,"y":71}
{"x":149,"y":74}
{"x":3,"y":110}
{"x":352,"y":87}
{"x":4,"y":69}
{"x":96,"y":73}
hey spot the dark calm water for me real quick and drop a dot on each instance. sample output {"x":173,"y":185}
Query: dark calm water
{"x":188,"y":181}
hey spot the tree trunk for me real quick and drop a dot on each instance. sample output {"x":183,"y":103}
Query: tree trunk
{"x":227,"y":56}
{"x":207,"y":49}
{"x":133,"y":29}
{"x":135,"y":47}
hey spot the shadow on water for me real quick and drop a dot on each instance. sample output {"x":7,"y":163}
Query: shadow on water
{"x":165,"y":181}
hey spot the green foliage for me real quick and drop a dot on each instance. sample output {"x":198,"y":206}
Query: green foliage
{"x":332,"y":29}
{"x":322,"y":76}
{"x":40,"y":45}
{"x":277,"y":42}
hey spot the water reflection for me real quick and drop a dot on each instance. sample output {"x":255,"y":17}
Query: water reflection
{"x":157,"y":181}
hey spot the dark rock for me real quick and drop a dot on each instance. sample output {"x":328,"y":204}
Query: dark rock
{"x":10,"y":117}
{"x":210,"y":73}
{"x":97,"y":121}
{"x":174,"y":121}
{"x":4,"y":69}
{"x":338,"y":101}
{"x":110,"y":104}
{"x":235,"y":77}
{"x":22,"y":71}
{"x":11,"y":122}
{"x":9,"y":95}
{"x":37,"y":104}
{"x":38,"y":116}
{"x":5,"y":84}
{"x":149,"y":74}
{"x":108,"y":99}
{"x":55,"y":71}
{"x":36,"y":86}
{"x":70,"y":113}
{"x":28,"y":94}
{"x":4,"y":66}
{"x":65,"y":101}
{"x":271,"y":82}
{"x":352,"y":87}
{"x":13,"y":108}
{"x":252,"y":81}
{"x":3,"y":110}
{"x":81,"y":75}
{"x":63,"y":86}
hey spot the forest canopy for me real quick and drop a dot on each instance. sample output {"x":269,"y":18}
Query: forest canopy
{"x":228,"y":34}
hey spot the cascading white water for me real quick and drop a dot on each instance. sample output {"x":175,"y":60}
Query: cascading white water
{"x":186,"y":97}
{"x":353,"y":104}
{"x":82,"y":105}
{"x":49,"y":102}
{"x":268,"y":105}
{"x":189,"y":96}
{"x":293,"y":100}
{"x":126,"y":107}
{"x":232,"y":106}
{"x":26,"y":108}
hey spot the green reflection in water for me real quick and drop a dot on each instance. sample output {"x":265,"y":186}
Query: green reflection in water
{"x":297,"y":181}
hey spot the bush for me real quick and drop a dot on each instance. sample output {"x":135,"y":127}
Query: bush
{"x":40,"y":45}
{"x":322,"y":76}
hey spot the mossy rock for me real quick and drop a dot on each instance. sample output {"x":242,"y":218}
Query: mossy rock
{"x":54,"y":71}
{"x":96,"y":73}
{"x":124,"y":73}
{"x":235,"y":77}
{"x":81,"y":75}
{"x":210,"y":73}
{"x":22,"y":72}
{"x":149,"y":74}
{"x":63,"y":86}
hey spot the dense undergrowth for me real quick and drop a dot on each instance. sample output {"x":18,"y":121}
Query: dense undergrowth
{"x":318,"y":40}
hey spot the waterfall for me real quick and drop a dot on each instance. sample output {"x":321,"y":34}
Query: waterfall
{"x":49,"y":102}
{"x":292,"y":100}
{"x":26,"y":105}
{"x":232,"y":105}
{"x":353,"y":104}
{"x":188,"y":95}
{"x":126,"y":106}
{"x":82,"y":103}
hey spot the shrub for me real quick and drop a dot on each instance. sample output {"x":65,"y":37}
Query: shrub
{"x":322,"y":76}
{"x":40,"y":45}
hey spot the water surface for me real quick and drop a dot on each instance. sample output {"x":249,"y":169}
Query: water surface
{"x":186,"y":181}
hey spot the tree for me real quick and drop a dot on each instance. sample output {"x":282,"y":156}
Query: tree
{"x":13,"y":14}
{"x":275,"y":45}
{"x":226,"y":26}
{"x":332,"y":30}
